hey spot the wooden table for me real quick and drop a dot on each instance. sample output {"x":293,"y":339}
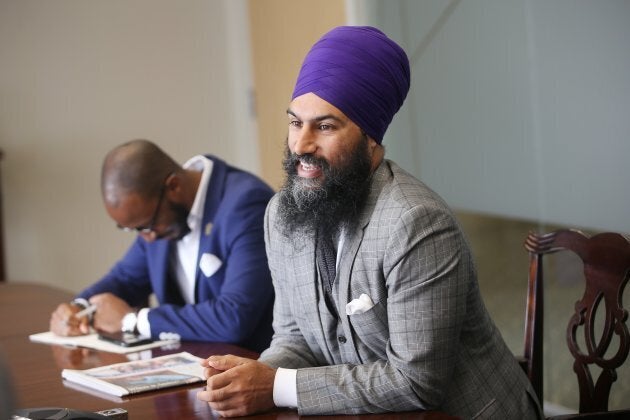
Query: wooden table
{"x":36,"y":368}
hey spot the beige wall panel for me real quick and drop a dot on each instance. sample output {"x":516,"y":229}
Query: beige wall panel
{"x":282,"y":32}
{"x":78,"y":77}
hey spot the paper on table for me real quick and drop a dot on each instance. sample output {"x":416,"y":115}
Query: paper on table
{"x":92,"y":392}
{"x":140,"y":375}
{"x":92,"y":341}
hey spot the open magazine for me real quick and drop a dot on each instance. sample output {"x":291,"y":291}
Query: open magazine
{"x":140,"y":375}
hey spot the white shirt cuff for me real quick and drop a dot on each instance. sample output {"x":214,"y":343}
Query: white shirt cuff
{"x":144,"y":328}
{"x":285,"y":388}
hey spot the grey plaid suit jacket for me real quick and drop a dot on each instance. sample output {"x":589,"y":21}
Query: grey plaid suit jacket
{"x":427,"y":343}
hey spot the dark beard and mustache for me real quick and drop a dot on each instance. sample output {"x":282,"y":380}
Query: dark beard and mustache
{"x":310,"y":205}
{"x":179,"y":227}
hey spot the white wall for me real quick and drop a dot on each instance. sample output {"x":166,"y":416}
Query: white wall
{"x":517,"y":108}
{"x":78,"y":77}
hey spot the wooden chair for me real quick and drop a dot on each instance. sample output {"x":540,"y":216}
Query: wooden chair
{"x":606,"y":259}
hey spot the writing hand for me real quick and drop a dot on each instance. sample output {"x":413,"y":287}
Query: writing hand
{"x":237,"y":386}
{"x":64,"y":322}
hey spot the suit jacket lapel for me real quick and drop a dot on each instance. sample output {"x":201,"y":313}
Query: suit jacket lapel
{"x":354,"y":237}
{"x":214,"y":194}
{"x":305,"y":269}
{"x":352,"y":243}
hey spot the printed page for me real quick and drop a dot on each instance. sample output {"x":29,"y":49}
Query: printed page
{"x":140,"y":376}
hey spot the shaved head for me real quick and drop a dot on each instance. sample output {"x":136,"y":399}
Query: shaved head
{"x":139,"y":167}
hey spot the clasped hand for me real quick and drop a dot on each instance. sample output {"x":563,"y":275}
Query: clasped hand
{"x":237,"y":386}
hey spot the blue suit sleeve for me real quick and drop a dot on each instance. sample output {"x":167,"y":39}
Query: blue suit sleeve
{"x":128,"y":279}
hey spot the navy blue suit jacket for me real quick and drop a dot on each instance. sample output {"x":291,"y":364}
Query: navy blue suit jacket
{"x":235,"y":303}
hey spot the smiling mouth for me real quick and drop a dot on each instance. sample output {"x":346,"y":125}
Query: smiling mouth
{"x":308,"y":170}
{"x":309,"y":167}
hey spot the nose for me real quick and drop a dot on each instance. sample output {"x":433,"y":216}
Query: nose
{"x":303,"y":142}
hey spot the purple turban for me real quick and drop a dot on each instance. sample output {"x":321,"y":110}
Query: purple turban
{"x":359,"y":70}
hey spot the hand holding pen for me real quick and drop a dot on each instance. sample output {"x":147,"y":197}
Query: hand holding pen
{"x":69,"y":320}
{"x":86,"y":312}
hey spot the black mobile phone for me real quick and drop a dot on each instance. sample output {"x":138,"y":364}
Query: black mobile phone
{"x":125,"y":339}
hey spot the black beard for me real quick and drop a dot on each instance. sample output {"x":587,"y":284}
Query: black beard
{"x":181,"y":220}
{"x":179,"y":227}
{"x":307,"y":205}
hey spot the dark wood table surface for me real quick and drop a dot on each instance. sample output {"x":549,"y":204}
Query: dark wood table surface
{"x":25,"y":309}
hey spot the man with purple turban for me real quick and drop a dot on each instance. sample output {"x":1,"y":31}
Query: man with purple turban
{"x":377,"y":302}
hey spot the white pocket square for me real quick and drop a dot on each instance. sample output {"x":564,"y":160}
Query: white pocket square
{"x":357,"y":306}
{"x":209,"y":264}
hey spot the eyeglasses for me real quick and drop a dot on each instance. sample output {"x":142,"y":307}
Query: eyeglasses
{"x":156,"y":212}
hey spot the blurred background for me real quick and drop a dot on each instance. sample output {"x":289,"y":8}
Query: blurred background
{"x":518,"y":115}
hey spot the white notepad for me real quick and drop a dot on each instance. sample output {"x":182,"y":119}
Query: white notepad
{"x":91,"y":341}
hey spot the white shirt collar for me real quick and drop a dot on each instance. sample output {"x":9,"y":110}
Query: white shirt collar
{"x":199,"y":163}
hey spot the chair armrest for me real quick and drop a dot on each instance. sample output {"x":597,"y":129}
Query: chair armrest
{"x":522,"y":361}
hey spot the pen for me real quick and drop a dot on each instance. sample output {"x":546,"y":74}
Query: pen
{"x":86,"y":312}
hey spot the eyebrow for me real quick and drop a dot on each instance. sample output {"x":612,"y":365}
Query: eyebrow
{"x":319,"y":118}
